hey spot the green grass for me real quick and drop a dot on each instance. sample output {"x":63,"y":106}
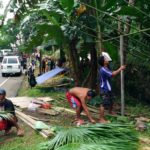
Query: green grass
{"x":29,"y":142}
{"x":138,"y":110}
{"x":44,"y":91}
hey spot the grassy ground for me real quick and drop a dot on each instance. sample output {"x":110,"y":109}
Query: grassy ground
{"x":28,"y":142}
{"x":31,"y":139}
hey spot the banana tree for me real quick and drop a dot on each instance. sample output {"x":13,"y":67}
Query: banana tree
{"x":62,"y":17}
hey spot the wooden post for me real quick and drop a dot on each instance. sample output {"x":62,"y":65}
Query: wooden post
{"x":122,"y":75}
{"x":40,"y":66}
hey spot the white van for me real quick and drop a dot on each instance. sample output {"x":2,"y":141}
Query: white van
{"x":6,"y":51}
{"x":11,"y":65}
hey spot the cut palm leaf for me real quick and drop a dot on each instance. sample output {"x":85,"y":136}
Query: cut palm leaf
{"x":95,"y":137}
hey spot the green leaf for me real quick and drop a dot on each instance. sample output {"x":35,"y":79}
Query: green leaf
{"x":95,"y":137}
{"x":112,"y":50}
{"x":67,"y":5}
{"x":129,"y":11}
{"x":52,"y":31}
{"x":6,"y":115}
{"x":108,"y":4}
{"x":57,"y":14}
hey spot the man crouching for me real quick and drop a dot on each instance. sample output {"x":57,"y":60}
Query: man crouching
{"x":7,"y":106}
{"x":77,"y":97}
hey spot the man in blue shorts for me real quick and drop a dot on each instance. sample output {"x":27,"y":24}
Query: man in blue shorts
{"x":105,"y":84}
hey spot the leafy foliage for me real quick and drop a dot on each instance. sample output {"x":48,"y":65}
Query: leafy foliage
{"x":6,"y":115}
{"x":99,"y":136}
{"x":60,"y":22}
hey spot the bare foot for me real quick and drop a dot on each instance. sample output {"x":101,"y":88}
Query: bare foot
{"x":79,"y":122}
{"x":7,"y":131}
{"x":104,"y":121}
{"x":20,"y":132}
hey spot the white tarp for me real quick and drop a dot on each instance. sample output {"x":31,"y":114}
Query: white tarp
{"x":41,"y":79}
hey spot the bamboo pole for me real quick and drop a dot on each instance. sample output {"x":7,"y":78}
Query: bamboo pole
{"x":122,"y":75}
{"x":31,"y":122}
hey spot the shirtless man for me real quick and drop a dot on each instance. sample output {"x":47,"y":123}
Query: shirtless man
{"x":77,"y":98}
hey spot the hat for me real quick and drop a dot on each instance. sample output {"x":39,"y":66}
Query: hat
{"x":106,"y":56}
{"x":2,"y":91}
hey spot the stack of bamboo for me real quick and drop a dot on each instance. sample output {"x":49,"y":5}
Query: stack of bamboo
{"x":31,"y":122}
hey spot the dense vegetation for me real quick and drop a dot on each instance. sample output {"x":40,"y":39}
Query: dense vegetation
{"x":79,"y":28}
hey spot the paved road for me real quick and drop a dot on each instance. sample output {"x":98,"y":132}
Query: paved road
{"x":11,"y":84}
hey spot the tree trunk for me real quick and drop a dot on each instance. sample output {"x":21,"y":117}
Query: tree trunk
{"x":93,"y":79}
{"x":62,"y":54}
{"x":40,"y":66}
{"x":93,"y":52}
{"x":99,"y":34}
{"x":74,"y":58}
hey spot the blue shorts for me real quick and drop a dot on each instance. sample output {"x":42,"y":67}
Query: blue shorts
{"x":107,"y":99}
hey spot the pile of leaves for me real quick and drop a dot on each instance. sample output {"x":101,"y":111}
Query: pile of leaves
{"x":6,"y":115}
{"x":94,"y":137}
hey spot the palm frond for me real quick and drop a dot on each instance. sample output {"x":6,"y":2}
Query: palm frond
{"x":94,"y":146}
{"x":70,"y":135}
{"x":95,"y":137}
{"x":6,"y":115}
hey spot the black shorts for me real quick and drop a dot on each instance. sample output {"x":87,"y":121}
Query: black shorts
{"x":10,"y":122}
{"x":107,"y":99}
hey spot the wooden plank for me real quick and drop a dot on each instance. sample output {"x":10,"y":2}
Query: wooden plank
{"x":32,"y":126}
{"x":23,"y":102}
{"x":67,"y":110}
{"x":52,"y":112}
{"x":31,"y":122}
{"x":45,"y":99}
{"x":39,"y":119}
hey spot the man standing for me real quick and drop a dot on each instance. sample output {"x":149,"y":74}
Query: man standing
{"x":7,"y":106}
{"x":77,"y":98}
{"x":105,"y":85}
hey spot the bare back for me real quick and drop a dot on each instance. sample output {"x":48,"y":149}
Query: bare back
{"x":79,"y":92}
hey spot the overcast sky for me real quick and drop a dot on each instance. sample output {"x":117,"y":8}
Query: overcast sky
{"x":5,"y":2}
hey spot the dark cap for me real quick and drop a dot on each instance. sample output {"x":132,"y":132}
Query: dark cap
{"x":2,"y":91}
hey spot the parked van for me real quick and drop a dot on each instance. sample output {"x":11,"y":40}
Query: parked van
{"x":11,"y":65}
{"x":6,"y":51}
